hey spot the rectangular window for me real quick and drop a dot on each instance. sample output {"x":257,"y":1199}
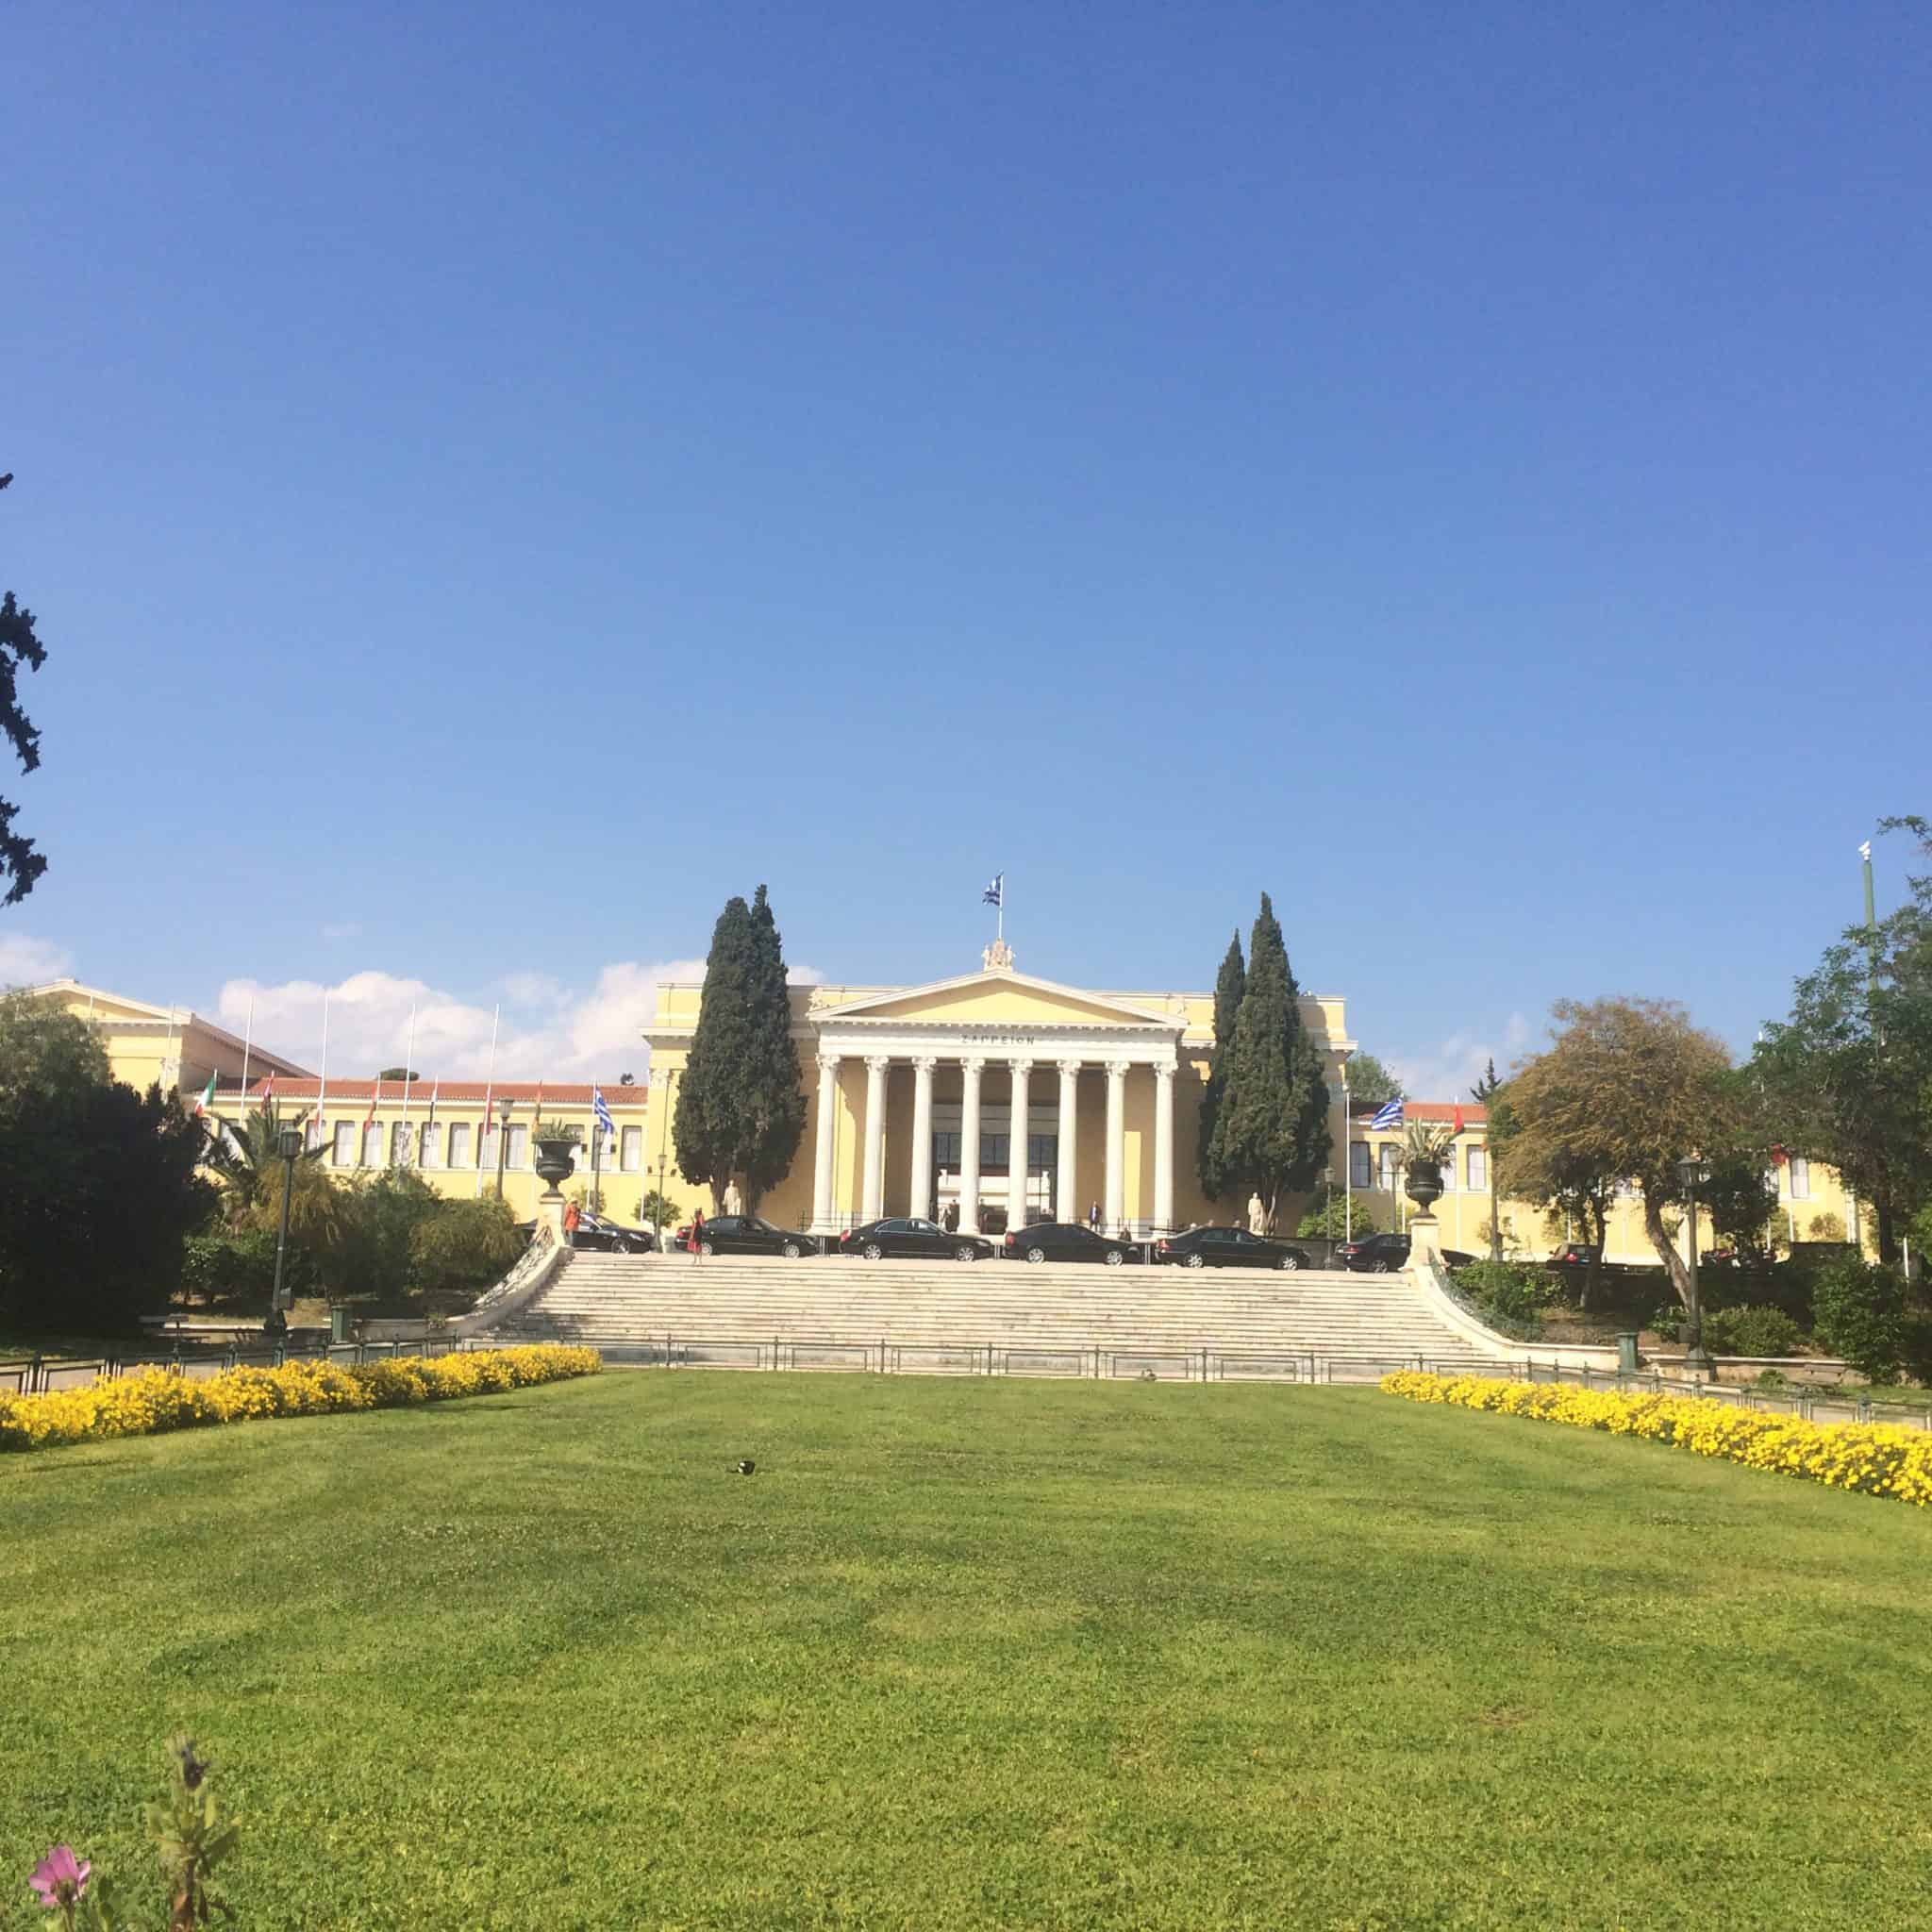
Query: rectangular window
{"x":345,"y":1153}
{"x":398,"y":1144}
{"x":1448,"y":1167}
{"x":372,"y":1144}
{"x":460,"y":1143}
{"x":994,"y":1149}
{"x":1359,"y":1163}
{"x":311,"y":1135}
{"x":428,"y":1148}
{"x":1043,"y":1152}
{"x":519,"y":1145}
{"x":945,"y":1150}
{"x":607,"y":1153}
{"x":1478,"y":1172}
{"x":1801,"y":1178}
{"x":486,"y":1158}
{"x":632,"y":1157}
{"x":1386,"y":1179}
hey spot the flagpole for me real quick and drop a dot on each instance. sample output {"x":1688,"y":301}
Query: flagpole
{"x":408,"y":1073}
{"x":321,"y":1092}
{"x":489,"y":1091}
{"x":1001,"y":934}
{"x":248,"y":1040}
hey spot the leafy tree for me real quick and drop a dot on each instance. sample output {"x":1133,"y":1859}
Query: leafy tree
{"x":20,"y":860}
{"x":1563,"y":1180}
{"x":1742,"y":1200}
{"x":400,"y":1075}
{"x":1485,"y":1093}
{"x":1861,"y":1315}
{"x":741,"y":1106}
{"x":463,"y":1246}
{"x":1337,"y":1215}
{"x":372,"y":1254}
{"x":1272,"y":1136}
{"x":1230,"y":985}
{"x":100,"y":1186}
{"x":1627,"y":1089}
{"x":247,"y":1154}
{"x":657,"y":1210}
{"x":1370,"y":1080}
{"x":1847,"y":1078}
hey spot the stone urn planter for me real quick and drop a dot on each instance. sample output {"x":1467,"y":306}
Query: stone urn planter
{"x":1423,"y":1185}
{"x":555,"y":1162}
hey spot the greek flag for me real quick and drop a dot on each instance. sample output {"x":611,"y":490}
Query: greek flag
{"x":995,"y":894}
{"x":1388,"y":1115}
{"x":597,"y":1106}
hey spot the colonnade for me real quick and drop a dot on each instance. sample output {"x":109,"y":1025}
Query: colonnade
{"x":972,"y":1069}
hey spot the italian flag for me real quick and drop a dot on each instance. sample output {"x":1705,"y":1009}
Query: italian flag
{"x":205,"y":1105}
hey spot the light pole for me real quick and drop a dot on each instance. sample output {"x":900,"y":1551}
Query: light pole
{"x":1696,"y":1356}
{"x":503,"y":1113}
{"x":289,"y":1145}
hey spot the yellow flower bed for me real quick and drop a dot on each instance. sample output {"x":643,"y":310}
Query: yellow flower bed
{"x":155,"y":1400}
{"x":1879,"y":1459}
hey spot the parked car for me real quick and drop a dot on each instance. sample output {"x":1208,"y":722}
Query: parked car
{"x":597,"y":1233}
{"x":1375,"y":1253}
{"x":1066,"y":1241}
{"x":1574,"y":1255}
{"x":1227,"y":1247}
{"x":912,"y":1237}
{"x":1383,"y":1253}
{"x":747,"y":1234}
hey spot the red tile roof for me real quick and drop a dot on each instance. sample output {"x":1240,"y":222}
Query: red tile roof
{"x":448,"y":1093}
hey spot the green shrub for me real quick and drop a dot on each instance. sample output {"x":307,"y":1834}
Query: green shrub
{"x":1515,"y":1292}
{"x":463,"y":1246}
{"x":228,"y":1267}
{"x":1861,"y":1316}
{"x":1754,"y":1330}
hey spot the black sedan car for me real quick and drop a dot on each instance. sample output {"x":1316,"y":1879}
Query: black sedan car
{"x":1383,"y":1253}
{"x":599,"y":1234}
{"x":908,"y":1237}
{"x":1227,"y":1247}
{"x":1066,"y":1241}
{"x":747,"y":1234}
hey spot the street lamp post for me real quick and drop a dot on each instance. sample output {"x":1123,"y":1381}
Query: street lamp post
{"x":1697,"y":1359}
{"x":503,"y":1113}
{"x":289,"y":1145}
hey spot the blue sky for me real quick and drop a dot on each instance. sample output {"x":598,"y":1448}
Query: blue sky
{"x":495,"y":480}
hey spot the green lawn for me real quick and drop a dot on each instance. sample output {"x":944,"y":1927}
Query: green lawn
{"x":986,"y":1653}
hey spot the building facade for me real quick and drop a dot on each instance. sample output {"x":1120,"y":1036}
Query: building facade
{"x":172,"y":1045}
{"x":1000,"y":1094}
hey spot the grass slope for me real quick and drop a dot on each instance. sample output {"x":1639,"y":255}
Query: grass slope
{"x":972,"y":1654}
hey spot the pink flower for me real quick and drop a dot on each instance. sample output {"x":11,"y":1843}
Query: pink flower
{"x":61,"y":1877}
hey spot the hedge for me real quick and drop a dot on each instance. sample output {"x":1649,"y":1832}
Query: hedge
{"x":159,"y":1400}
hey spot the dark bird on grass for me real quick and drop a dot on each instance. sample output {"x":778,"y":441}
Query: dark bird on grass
{"x":745,"y":1466}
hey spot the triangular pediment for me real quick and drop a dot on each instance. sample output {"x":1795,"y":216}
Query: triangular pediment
{"x":104,"y":1005}
{"x":996,"y":999}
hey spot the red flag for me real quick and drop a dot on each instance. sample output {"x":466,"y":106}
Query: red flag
{"x":1457,"y":1128}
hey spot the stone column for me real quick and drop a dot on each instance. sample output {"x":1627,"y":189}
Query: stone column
{"x":1068,"y":1207}
{"x":922,"y":1134}
{"x":1163,"y":1150}
{"x":1115,"y":1208}
{"x":872,"y":1205}
{"x":821,"y":1156}
{"x":970,"y":1068}
{"x":1016,"y":1146}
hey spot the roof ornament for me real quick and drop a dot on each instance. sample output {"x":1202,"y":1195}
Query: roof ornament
{"x":998,"y":957}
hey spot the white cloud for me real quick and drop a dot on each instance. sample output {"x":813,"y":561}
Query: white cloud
{"x":25,"y":962}
{"x":546,"y":1031}
{"x":1447,"y":1071}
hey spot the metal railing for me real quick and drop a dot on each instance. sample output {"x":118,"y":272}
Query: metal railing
{"x":1821,"y":1406}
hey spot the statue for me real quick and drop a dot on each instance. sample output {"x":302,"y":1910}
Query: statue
{"x":1257,"y":1215}
{"x":734,"y":1200}
{"x":998,"y":957}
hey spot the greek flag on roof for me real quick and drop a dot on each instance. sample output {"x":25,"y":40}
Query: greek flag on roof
{"x":602,"y":1111}
{"x":995,"y":894}
{"x":1388,"y":1115}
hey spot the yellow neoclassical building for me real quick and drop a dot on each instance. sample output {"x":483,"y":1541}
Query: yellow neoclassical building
{"x":996,"y":1093}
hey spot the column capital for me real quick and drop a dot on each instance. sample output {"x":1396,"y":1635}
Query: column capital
{"x":828,"y":1062}
{"x":1071,"y":1066}
{"x":1020,"y":1067}
{"x":878,"y":1062}
{"x":1119,"y":1070}
{"x":925,"y":1063}
{"x":974,"y":1064}
{"x":1164,"y":1072}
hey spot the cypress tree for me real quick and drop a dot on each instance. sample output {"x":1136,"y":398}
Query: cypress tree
{"x":772,"y":1099}
{"x":1229,"y":984}
{"x":1272,"y":1134}
{"x":741,"y":1108}
{"x":703,"y":1125}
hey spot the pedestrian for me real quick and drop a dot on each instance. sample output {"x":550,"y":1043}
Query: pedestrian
{"x":1093,"y":1217}
{"x":572,"y":1215}
{"x":697,"y":1235}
